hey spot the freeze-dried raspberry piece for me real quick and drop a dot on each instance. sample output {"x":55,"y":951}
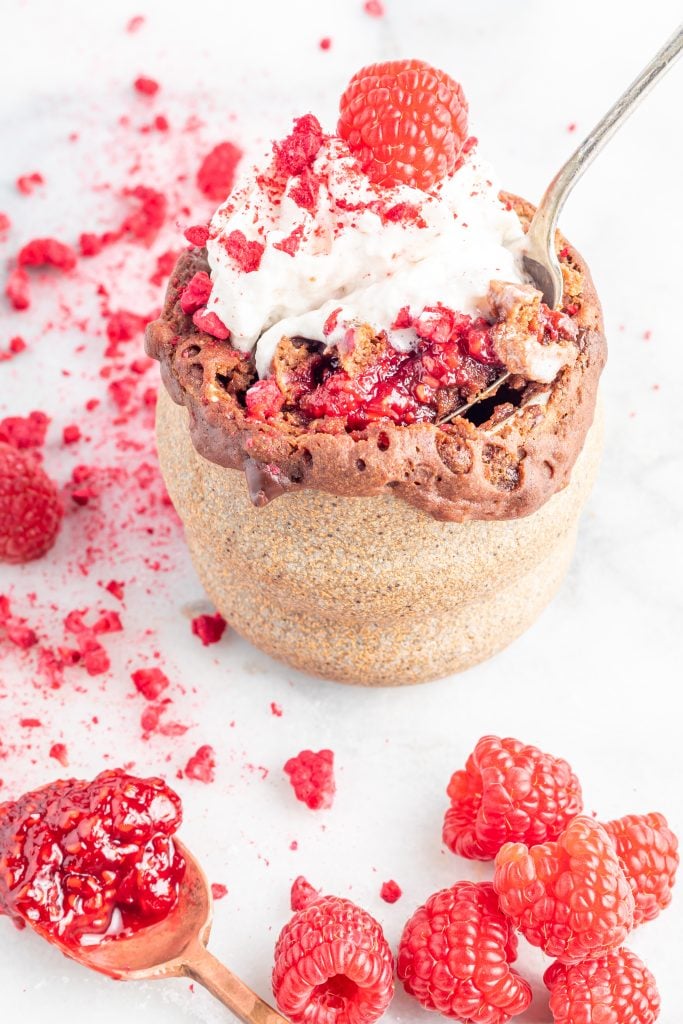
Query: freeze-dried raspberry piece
{"x":210,"y":323}
{"x":391,"y":891}
{"x":201,"y":766}
{"x":616,"y":989}
{"x":197,"y":235}
{"x":455,"y":955}
{"x":302,"y":893}
{"x":306,"y":190}
{"x":17,"y":288}
{"x":264,"y":399}
{"x":298,"y":151}
{"x":648,"y":850}
{"x":218,"y":891}
{"x":47,"y":252}
{"x":28,"y":183}
{"x":15,"y":627}
{"x":209,"y":628}
{"x":216,"y":174}
{"x":145,"y":222}
{"x":291,"y":243}
{"x":30,"y":509}
{"x":58,"y":752}
{"x":247,"y":255}
{"x":508,"y":792}
{"x":5,"y":225}
{"x":312,"y":777}
{"x":71,"y":433}
{"x":146,"y":86}
{"x":25,"y":431}
{"x":150,"y":682}
{"x":570,"y":897}
{"x":196,"y":292}
{"x":333,"y":965}
{"x":90,"y":244}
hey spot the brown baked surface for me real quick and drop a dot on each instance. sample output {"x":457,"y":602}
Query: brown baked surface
{"x":457,"y":471}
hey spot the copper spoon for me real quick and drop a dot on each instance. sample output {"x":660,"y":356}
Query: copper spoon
{"x":176,"y":948}
{"x":540,"y":258}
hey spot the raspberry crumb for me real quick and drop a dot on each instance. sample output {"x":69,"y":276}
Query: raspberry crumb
{"x":247,"y":255}
{"x":209,"y":628}
{"x":145,"y":222}
{"x":59,"y":753}
{"x":197,"y":235}
{"x":146,"y":86}
{"x":196,"y":292}
{"x":291,"y":243}
{"x":150,"y":682}
{"x":312,"y":777}
{"x":16,"y":346}
{"x":374,"y":8}
{"x":27,"y":183}
{"x":17,"y":288}
{"x":71,"y":433}
{"x":25,"y":431}
{"x":325,"y":43}
{"x":390,"y":891}
{"x":298,"y":151}
{"x":47,"y":252}
{"x":302,"y":893}
{"x":216,"y":174}
{"x":276,"y":710}
{"x":5,"y":225}
{"x":201,"y":766}
{"x":211,"y":324}
{"x":218,"y":891}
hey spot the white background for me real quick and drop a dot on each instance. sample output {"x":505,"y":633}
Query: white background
{"x":597,"y":680}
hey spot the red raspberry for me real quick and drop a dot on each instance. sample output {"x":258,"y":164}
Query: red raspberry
{"x":312,"y":778}
{"x":209,"y":628}
{"x":302,"y":893}
{"x":570,"y":897}
{"x":216,"y":174}
{"x":508,"y":793}
{"x":455,"y":955}
{"x":405,"y":122}
{"x":648,"y":850}
{"x":333,"y":965}
{"x":25,"y":431}
{"x":616,"y":989}
{"x":150,"y":682}
{"x":391,"y":891}
{"x":17,"y":288}
{"x":30,"y":509}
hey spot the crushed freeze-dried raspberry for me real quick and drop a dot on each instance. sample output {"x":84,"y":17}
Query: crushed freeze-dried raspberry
{"x":116,"y":588}
{"x":15,"y":347}
{"x":5,"y":225}
{"x":455,"y":957}
{"x":47,"y":252}
{"x":325,"y":43}
{"x":209,"y":628}
{"x":197,"y":235}
{"x":216,"y":174}
{"x":291,"y":243}
{"x":17,"y":288}
{"x":391,"y":891}
{"x":15,"y":627}
{"x":201,"y":766}
{"x":312,"y":777}
{"x":90,"y":244}
{"x":25,"y":431}
{"x":616,"y":989}
{"x":333,"y":964}
{"x":247,"y":255}
{"x":27,"y":183}
{"x":306,"y":190}
{"x":508,"y":792}
{"x":210,"y":323}
{"x":302,"y":893}
{"x":150,"y":682}
{"x":58,"y":752}
{"x":146,"y":86}
{"x":71,"y":433}
{"x":145,"y":222}
{"x":166,"y":261}
{"x":196,"y":292}
{"x":299,"y":149}
{"x":648,"y":851}
{"x":570,"y":897}
{"x":135,"y":23}
{"x":218,"y":891}
{"x":275,"y":710}
{"x":30,"y":508}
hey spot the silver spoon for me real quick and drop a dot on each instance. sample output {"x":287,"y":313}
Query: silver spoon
{"x":540,"y":258}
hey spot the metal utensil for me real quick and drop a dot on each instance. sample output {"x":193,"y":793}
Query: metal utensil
{"x":176,"y":948}
{"x":540,"y":258}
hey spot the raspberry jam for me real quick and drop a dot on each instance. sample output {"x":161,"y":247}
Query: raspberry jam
{"x":82,"y":859}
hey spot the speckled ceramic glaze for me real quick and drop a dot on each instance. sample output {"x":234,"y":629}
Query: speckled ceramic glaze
{"x":367,"y":590}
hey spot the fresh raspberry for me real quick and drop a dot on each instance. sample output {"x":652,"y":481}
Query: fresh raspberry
{"x":150,"y":682}
{"x":298,"y":151}
{"x":648,"y":850}
{"x":27,"y":183}
{"x":201,"y":766}
{"x":455,"y":955}
{"x":333,"y":965}
{"x":264,"y":399}
{"x":312,"y":778}
{"x":17,"y":288}
{"x":209,"y":628}
{"x":616,"y":989}
{"x":216,"y":174}
{"x":302,"y":893}
{"x":247,"y":255}
{"x":391,"y":891}
{"x":146,"y":86}
{"x":570,"y":897}
{"x":404,"y":121}
{"x":47,"y":252}
{"x":196,"y":292}
{"x":30,"y":509}
{"x":508,"y":793}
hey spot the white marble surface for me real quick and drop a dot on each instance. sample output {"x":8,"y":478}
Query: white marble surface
{"x":596,"y":680}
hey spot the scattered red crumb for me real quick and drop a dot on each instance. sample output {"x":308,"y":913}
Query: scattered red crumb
{"x":59,"y":753}
{"x":390,"y":891}
{"x":312,"y":777}
{"x":291,"y":243}
{"x":47,"y":252}
{"x":209,"y":628}
{"x":325,"y":43}
{"x":197,"y":235}
{"x":571,"y":127}
{"x":27,"y":183}
{"x":16,"y":346}
{"x":17,"y":288}
{"x":135,"y":23}
{"x":166,"y":261}
{"x":218,"y":891}
{"x":146,"y":86}
{"x":647,"y":335}
{"x":71,"y":433}
{"x":196,"y":292}
{"x":276,"y":710}
{"x":374,"y":8}
{"x":216,"y":174}
{"x":15,"y":628}
{"x":211,"y":324}
{"x":201,"y":766}
{"x":294,"y":845}
{"x":247,"y":255}
{"x":302,"y":894}
{"x":5,"y":225}
{"x":150,"y":682}
{"x":90,"y":244}
{"x":25,"y":431}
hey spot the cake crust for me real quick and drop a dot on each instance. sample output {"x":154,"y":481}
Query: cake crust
{"x":503,"y":468}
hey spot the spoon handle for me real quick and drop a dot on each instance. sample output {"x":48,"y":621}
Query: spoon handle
{"x":541,"y":232}
{"x":227,"y":988}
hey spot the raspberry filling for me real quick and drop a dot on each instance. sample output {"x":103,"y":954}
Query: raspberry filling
{"x":82,"y":859}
